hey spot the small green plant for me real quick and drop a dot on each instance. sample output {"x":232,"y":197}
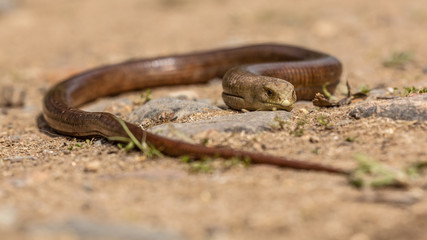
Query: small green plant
{"x":315,"y":150}
{"x":410,"y":90}
{"x":236,"y":161}
{"x":146,"y":96}
{"x":350,"y":139}
{"x":365,"y":89}
{"x":406,"y":91}
{"x":370,"y":173}
{"x":76,"y":144}
{"x":324,"y":121}
{"x":201,"y":166}
{"x":414,"y":171}
{"x":414,"y":90}
{"x":399,"y":60}
{"x":131,"y":141}
{"x":362,"y":93}
{"x":207,"y":165}
{"x":326,"y":92}
{"x":185,"y":159}
{"x":279,"y":123}
{"x":89,"y":141}
{"x":205,"y":141}
{"x":298,"y":130}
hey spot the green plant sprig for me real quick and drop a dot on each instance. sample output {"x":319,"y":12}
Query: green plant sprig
{"x":148,"y":149}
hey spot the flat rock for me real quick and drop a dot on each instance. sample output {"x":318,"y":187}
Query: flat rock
{"x":178,"y":107}
{"x":7,"y":5}
{"x":413,"y":108}
{"x":249,"y":122}
{"x":106,"y":103}
{"x":87,"y":229}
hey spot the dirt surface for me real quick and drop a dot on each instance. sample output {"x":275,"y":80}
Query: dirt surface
{"x":48,"y":179}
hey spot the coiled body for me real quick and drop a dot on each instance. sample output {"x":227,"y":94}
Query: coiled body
{"x":306,"y":70}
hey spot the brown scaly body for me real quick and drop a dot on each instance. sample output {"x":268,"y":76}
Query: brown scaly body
{"x":306,"y":70}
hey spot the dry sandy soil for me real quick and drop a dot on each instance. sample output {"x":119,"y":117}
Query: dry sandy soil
{"x":48,"y":189}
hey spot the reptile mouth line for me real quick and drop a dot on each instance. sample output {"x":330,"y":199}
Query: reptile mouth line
{"x":280,"y":106}
{"x":231,"y":95}
{"x":277,"y":105}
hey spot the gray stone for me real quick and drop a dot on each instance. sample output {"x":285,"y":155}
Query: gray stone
{"x":377,"y":92}
{"x":97,"y":143}
{"x":413,"y":108}
{"x":7,"y":5}
{"x":250,"y":122}
{"x":101,"y":105}
{"x":178,"y":107}
{"x":86,"y":229}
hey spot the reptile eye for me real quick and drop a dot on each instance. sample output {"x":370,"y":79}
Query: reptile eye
{"x":269,"y":92}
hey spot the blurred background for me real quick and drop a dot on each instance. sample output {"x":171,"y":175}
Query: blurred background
{"x":381,"y":43}
{"x":41,"y":37}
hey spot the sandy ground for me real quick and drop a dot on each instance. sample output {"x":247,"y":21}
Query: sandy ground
{"x":44,"y":182}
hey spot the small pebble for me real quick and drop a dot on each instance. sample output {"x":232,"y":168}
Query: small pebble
{"x":314,"y":139}
{"x":97,"y":143}
{"x":92,"y":166}
{"x":304,"y":111}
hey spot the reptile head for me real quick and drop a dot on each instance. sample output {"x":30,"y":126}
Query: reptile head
{"x":274,"y":94}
